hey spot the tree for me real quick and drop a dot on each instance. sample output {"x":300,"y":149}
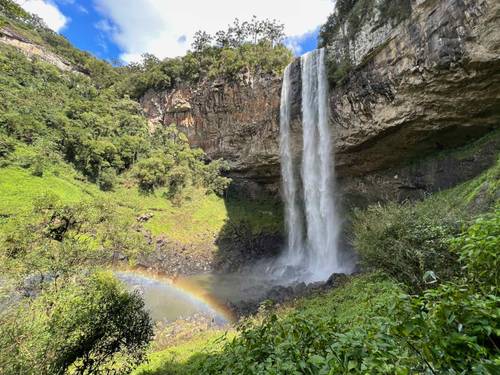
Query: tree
{"x":201,"y":41}
{"x":90,"y":325}
{"x":240,"y":31}
{"x":151,"y":172}
{"x":255,"y":29}
{"x":274,"y":31}
{"x":222,"y":39}
{"x":6,"y":146}
{"x":149,"y":61}
{"x":216,"y":183}
{"x":177,"y":180}
{"x":107,"y":179}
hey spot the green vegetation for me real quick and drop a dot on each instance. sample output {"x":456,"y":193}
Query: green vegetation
{"x":410,"y":241}
{"x":59,"y":238}
{"x":81,"y":326}
{"x":198,"y":218}
{"x":12,"y":10}
{"x":32,"y":27}
{"x":243,"y":50}
{"x":429,"y":304}
{"x":370,"y":325}
{"x":65,"y":117}
{"x":175,"y":359}
{"x":78,"y":165}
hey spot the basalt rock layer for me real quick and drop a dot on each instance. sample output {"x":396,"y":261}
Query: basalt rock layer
{"x":236,"y":121}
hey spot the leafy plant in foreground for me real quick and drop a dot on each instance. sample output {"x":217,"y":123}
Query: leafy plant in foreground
{"x":83,"y":326}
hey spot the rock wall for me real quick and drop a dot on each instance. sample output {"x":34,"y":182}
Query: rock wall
{"x":432,"y":84}
{"x":429,"y":84}
{"x":238,"y":122}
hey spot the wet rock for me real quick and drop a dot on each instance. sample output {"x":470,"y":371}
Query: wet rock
{"x":336,"y":279}
{"x":119,"y":257}
{"x":280,"y":294}
{"x":32,"y":285}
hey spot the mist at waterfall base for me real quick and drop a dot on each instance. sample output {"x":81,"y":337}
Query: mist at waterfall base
{"x":168,"y":301}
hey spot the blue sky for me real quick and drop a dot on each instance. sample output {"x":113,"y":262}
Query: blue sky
{"x":121,"y":30}
{"x":82,"y":29}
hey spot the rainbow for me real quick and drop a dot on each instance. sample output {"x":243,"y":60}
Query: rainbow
{"x":186,"y":286}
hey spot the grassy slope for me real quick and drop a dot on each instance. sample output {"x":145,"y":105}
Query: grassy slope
{"x":200,"y":218}
{"x":174,"y":360}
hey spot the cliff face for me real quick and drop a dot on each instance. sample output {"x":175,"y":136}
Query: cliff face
{"x":428,"y":84}
{"x":432,"y":83}
{"x":238,"y":122}
{"x":432,"y":74}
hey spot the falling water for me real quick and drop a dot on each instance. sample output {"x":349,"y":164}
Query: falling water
{"x":311,"y":216}
{"x":293,"y":213}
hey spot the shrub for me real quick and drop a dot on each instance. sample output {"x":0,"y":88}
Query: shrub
{"x":13,"y":10}
{"x":64,"y":239}
{"x":369,"y":327}
{"x":177,"y":180}
{"x":410,"y":242}
{"x":23,"y":127}
{"x":151,"y":173}
{"x":37,"y":168}
{"x":478,"y":250}
{"x":345,"y":331}
{"x":107,"y":179}
{"x":88,"y":326}
{"x":455,"y":328}
{"x":213,"y":180}
{"x":6,"y":146}
{"x":338,"y":71}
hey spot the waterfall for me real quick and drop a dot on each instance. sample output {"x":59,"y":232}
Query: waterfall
{"x":310,"y":210}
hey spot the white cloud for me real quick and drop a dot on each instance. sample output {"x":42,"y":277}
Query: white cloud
{"x":165,"y":27}
{"x":46,"y":10}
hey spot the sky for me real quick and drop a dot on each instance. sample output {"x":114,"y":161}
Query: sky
{"x":122,"y":30}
